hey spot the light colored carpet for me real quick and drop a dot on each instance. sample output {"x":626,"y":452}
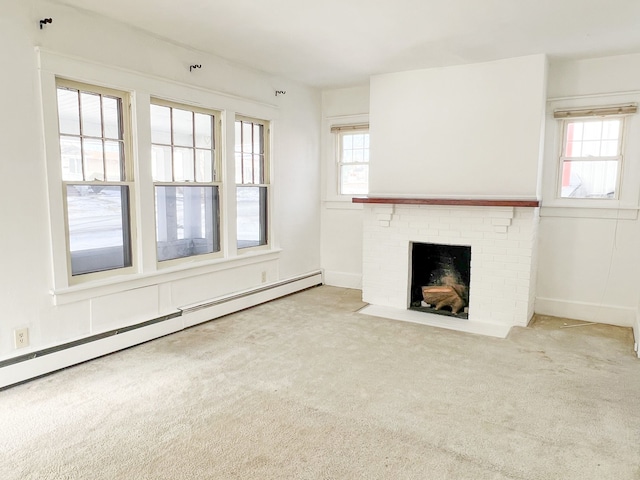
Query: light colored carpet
{"x":305,"y":388}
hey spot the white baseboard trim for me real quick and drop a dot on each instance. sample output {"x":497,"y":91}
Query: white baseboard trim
{"x":636,"y":335}
{"x":590,"y":312}
{"x":41,"y":363}
{"x":343,"y":279}
{"x":440,"y":321}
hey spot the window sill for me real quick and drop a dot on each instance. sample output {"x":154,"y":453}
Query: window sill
{"x":573,"y":211}
{"x":123,"y":283}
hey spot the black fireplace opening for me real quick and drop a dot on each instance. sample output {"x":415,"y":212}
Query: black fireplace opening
{"x":440,"y":278}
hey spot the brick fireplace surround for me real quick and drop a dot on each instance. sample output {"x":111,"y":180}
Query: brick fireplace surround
{"x":502,"y":235}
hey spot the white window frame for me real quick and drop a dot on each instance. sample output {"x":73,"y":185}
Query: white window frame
{"x":340,"y":132}
{"x":127,"y":182}
{"x":332,"y":198}
{"x":216,"y":181}
{"x":265,"y":183}
{"x":563,"y":159}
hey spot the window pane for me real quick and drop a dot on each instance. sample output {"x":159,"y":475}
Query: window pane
{"x":258,"y":144}
{"x":574,"y":131}
{"x":258,"y":176}
{"x":91,"y":116}
{"x":252,"y":216}
{"x":354,"y":179}
{"x":592,"y":131}
{"x":93,"y":159}
{"x":247,"y":169}
{"x":590,"y":149}
{"x":182,"y":128}
{"x":111,"y":116}
{"x":247,"y":139}
{"x":204,"y":167}
{"x":574,"y":149}
{"x":611,"y":129}
{"x":186,"y":221}
{"x":609,"y":148}
{"x":113,"y":160}
{"x":160,"y":124}
{"x":161,"y":169}
{"x":71,"y":156}
{"x":589,"y":179}
{"x":99,"y":231}
{"x":68,"y":111}
{"x":204,"y":131}
{"x":183,"y":163}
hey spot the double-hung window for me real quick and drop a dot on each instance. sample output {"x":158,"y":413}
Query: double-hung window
{"x":252,"y":181}
{"x":185,"y":170}
{"x":353,"y":159}
{"x":96,"y":177}
{"x":591,"y":158}
{"x":592,"y":151}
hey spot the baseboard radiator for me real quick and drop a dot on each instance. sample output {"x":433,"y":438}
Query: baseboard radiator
{"x":35,"y":364}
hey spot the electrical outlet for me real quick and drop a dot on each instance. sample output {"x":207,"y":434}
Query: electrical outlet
{"x":21,"y":337}
{"x":264,"y":277}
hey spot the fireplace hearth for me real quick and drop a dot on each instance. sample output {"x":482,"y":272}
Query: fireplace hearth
{"x":440,"y":279}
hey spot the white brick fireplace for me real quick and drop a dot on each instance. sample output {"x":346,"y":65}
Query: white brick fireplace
{"x":503,"y":260}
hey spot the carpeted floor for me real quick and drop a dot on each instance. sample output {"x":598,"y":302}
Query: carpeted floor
{"x":305,"y":388}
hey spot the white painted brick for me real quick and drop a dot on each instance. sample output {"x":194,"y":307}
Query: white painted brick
{"x":482,"y":227}
{"x":500,"y":229}
{"x":383,"y":209}
{"x":470,"y":234}
{"x":501,"y":221}
{"x":384,"y":223}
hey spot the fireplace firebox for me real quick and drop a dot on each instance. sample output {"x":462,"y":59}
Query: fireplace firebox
{"x":440,"y":279}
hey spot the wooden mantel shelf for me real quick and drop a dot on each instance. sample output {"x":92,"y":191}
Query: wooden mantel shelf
{"x":448,"y":201}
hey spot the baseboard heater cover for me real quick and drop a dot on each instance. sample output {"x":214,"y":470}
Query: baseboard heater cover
{"x":14,"y":361}
{"x":247,"y":293}
{"x":82,"y":341}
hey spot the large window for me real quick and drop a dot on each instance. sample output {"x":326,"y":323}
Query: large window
{"x":352,"y":159}
{"x":591,"y":157}
{"x":96,"y":177}
{"x":185,"y":173}
{"x":252,"y":181}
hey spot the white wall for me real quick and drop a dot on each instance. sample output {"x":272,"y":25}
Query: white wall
{"x":465,"y":131}
{"x":341,"y":241}
{"x":97,"y":49}
{"x":589,"y":257}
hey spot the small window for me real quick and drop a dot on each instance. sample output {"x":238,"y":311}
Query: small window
{"x":95,"y":176}
{"x":353,"y":160}
{"x":252,"y":181}
{"x":591,"y":157}
{"x":184,"y":169}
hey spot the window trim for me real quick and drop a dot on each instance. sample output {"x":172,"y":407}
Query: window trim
{"x":129,"y":181}
{"x":217,"y":181}
{"x":140,"y":87}
{"x":267,"y":174}
{"x":331,"y":197}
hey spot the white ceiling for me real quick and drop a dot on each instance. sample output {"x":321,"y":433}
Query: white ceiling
{"x":328,"y":43}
